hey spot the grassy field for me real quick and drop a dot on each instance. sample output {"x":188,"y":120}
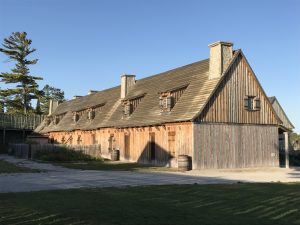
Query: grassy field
{"x":6,"y":167}
{"x":236,"y":204}
{"x":117,"y":166}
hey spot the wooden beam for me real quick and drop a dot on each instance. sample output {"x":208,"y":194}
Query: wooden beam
{"x":4,"y":135}
{"x":286,"y":148}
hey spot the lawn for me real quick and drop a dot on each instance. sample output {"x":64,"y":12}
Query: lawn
{"x":177,"y":204}
{"x":117,"y":166}
{"x":78,"y":160}
{"x":6,"y":167}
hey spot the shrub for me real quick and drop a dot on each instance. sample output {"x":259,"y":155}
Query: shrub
{"x":295,"y":158}
{"x":63,"y":155}
{"x":3,"y":149}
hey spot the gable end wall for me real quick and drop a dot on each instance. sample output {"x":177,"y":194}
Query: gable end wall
{"x":227,"y":104}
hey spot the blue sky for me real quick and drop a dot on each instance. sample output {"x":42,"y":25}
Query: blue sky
{"x":86,"y":44}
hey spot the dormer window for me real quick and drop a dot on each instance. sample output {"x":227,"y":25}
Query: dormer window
{"x":57,"y":118}
{"x":91,"y":114}
{"x":251,"y":103}
{"x":169,"y":98}
{"x":131,"y":104}
{"x":47,"y":121}
{"x":127,"y":108}
{"x":75,"y":117}
{"x":166,"y":103}
{"x":88,"y":113}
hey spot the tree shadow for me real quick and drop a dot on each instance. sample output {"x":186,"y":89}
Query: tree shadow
{"x":155,"y":154}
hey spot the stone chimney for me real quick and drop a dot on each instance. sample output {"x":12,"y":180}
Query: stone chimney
{"x":92,"y":92}
{"x":52,"y":106}
{"x":127,"y":82}
{"x":76,"y":96}
{"x":219,"y":59}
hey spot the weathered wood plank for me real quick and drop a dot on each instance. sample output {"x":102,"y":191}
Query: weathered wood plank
{"x":227,"y":103}
{"x":235,"y":146}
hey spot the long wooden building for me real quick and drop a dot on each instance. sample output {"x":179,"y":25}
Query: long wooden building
{"x":214,"y":111}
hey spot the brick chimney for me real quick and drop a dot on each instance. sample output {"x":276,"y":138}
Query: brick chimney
{"x":219,"y":59}
{"x":127,"y":82}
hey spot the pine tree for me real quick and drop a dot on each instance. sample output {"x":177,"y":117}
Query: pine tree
{"x":18,"y":99}
{"x":48,"y":93}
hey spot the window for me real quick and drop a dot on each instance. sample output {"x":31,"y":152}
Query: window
{"x":257,"y":103}
{"x":128,"y":109}
{"x":169,"y":98}
{"x":91,"y":114}
{"x":47,"y":121}
{"x":131,"y":104}
{"x":58,"y":118}
{"x":166,"y":103}
{"x":252,"y":103}
{"x":75,"y":117}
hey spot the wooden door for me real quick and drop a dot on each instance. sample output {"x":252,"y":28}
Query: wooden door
{"x":127,"y":146}
{"x":94,"y":141}
{"x":110,"y":143}
{"x":152,"y":146}
{"x":171,"y":144}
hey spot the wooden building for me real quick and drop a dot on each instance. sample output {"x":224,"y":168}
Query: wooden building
{"x":214,"y":111}
{"x":285,"y":128}
{"x":14,"y":128}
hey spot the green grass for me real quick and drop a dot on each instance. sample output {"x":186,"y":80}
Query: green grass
{"x":261,"y":204}
{"x":6,"y":167}
{"x":116,"y":166}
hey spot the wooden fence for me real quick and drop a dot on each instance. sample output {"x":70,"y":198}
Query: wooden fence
{"x":19,"y":121}
{"x":30,"y":150}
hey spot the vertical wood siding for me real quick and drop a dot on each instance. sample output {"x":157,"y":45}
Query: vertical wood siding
{"x":177,"y":94}
{"x":139,"y":141}
{"x":135,"y":102}
{"x":227,"y":103}
{"x":235,"y":146}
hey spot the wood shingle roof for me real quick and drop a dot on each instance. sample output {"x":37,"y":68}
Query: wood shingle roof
{"x":194,"y":76}
{"x":285,"y":122}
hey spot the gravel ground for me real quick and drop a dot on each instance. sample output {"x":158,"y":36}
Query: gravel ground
{"x":55,"y":177}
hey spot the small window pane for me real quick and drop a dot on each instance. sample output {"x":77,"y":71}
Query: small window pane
{"x":246,"y":102}
{"x":257,"y":103}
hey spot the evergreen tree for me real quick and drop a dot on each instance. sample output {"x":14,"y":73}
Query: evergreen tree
{"x":18,"y":99}
{"x":46,"y":94}
{"x":1,"y":104}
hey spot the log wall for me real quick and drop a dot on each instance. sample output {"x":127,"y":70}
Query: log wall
{"x":235,"y":146}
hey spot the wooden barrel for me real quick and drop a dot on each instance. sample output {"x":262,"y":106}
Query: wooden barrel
{"x":115,"y":155}
{"x":183,"y":163}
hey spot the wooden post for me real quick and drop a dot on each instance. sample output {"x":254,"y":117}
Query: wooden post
{"x":23,"y":135}
{"x":286,"y":148}
{"x":4,"y":135}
